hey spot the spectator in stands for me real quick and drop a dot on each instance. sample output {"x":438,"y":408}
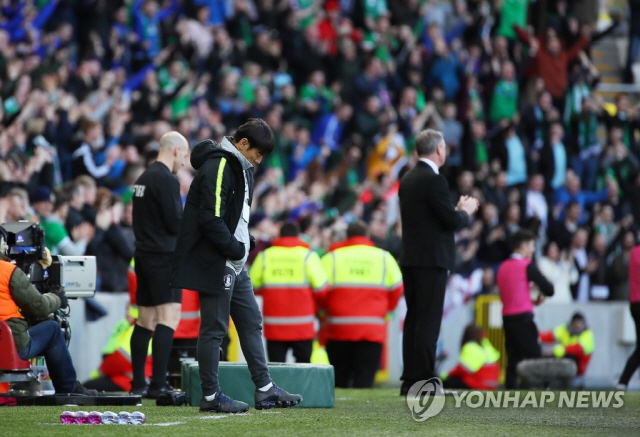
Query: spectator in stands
{"x":52,"y":211}
{"x":625,"y":118}
{"x":510,"y":153}
{"x":504,"y":99}
{"x":584,"y":265}
{"x":494,"y":241}
{"x":573,"y":192}
{"x":536,"y":119}
{"x":551,"y":60}
{"x":113,"y":252}
{"x":557,"y":266}
{"x":619,"y":269}
{"x":553,"y":158}
{"x":85,"y":156}
{"x":535,"y":203}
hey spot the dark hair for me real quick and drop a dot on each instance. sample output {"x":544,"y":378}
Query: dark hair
{"x":289,"y":229}
{"x":577,"y":316}
{"x":258,"y":133}
{"x":471,"y":333}
{"x":357,"y":229}
{"x":520,"y":237}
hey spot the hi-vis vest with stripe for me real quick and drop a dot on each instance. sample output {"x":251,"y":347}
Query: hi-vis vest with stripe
{"x":293,"y":284}
{"x":478,"y":368}
{"x":578,"y":346}
{"x":365,"y":283}
{"x":8,"y":307}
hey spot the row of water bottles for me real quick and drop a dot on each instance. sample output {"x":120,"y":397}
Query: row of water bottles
{"x":106,"y":418}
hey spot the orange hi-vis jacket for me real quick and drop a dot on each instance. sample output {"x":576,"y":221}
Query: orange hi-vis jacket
{"x":365,"y":283}
{"x":293,"y":284}
{"x":189,"y":326}
{"x":8,"y":308}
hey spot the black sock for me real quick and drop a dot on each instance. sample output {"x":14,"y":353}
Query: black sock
{"x":162,"y":342}
{"x":139,"y":347}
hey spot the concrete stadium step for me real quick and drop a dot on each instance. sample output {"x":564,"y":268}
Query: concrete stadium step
{"x":315,"y":382}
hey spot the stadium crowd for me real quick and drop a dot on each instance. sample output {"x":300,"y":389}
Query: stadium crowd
{"x":88,"y":87}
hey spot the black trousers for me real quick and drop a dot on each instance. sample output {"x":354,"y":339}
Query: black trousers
{"x":355,"y":362}
{"x":277,"y":350}
{"x":424,"y":293}
{"x":521,"y":342}
{"x":634,"y":360}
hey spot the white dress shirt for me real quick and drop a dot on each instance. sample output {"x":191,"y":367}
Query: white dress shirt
{"x":431,"y":164}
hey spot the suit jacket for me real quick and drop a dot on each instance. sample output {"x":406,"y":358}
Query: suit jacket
{"x":429,"y":219}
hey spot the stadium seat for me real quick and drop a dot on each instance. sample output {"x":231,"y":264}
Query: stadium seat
{"x":10,"y":362}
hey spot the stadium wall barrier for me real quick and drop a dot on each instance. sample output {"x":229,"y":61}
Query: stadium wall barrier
{"x":611,"y":323}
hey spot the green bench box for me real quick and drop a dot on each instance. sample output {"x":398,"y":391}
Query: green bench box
{"x":315,"y":382}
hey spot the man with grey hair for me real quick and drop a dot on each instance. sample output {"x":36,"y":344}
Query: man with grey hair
{"x":429,"y":221}
{"x":157,"y":215}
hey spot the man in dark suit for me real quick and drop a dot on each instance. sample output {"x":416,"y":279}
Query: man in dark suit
{"x":429,"y":220}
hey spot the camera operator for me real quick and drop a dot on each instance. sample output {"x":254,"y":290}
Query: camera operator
{"x":19,"y":298}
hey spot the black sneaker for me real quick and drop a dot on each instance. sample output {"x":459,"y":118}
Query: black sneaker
{"x":81,"y":390}
{"x":275,"y":397}
{"x":139,"y":391}
{"x":155,"y":393}
{"x":222,"y":404}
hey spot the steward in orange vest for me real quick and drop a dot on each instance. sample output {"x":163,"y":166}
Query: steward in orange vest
{"x":365,"y":283}
{"x":290,"y":278}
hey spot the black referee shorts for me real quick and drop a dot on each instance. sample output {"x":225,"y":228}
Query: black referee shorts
{"x":154,"y":274}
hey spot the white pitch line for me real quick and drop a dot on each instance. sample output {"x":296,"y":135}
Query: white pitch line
{"x":213,"y":417}
{"x":166,"y":424}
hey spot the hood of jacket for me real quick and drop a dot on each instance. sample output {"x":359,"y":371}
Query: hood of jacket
{"x":208,"y":149}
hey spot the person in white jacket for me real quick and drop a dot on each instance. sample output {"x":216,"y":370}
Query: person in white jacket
{"x":559,"y":269}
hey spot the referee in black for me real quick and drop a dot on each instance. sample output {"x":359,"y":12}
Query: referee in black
{"x":157,"y":214}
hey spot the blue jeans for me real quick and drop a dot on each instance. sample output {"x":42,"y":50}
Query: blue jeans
{"x":47,"y":340}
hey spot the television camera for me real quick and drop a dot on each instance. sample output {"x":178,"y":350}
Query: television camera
{"x":75,"y":275}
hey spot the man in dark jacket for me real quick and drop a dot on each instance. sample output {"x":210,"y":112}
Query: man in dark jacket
{"x":429,"y":220}
{"x":213,"y":245}
{"x":20,"y":300}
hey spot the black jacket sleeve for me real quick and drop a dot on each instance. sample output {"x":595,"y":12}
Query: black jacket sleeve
{"x":535,"y":275}
{"x":440,"y":201}
{"x":215,"y":189}
{"x":170,"y":199}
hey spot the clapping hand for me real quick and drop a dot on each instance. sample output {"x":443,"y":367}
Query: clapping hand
{"x":468,"y":204}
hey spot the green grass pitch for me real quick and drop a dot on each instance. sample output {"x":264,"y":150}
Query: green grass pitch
{"x":356,"y":413}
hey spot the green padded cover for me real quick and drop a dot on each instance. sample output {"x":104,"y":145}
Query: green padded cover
{"x":315,"y":382}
